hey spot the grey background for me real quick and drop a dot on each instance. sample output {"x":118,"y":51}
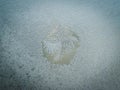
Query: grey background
{"x":25,"y":23}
